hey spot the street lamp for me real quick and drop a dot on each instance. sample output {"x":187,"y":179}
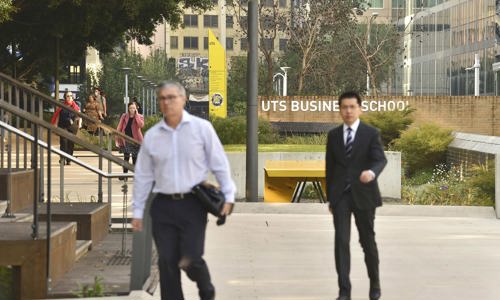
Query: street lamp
{"x":475,"y":67}
{"x":373,"y":17}
{"x":125,"y":99}
{"x":152,"y":97}
{"x":284,"y":76}
{"x":141,"y":79}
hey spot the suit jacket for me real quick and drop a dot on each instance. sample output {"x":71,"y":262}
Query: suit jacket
{"x":136,"y":128}
{"x":367,"y":154}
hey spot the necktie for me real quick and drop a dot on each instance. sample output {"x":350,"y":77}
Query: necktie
{"x":348,"y":151}
{"x":348,"y":143}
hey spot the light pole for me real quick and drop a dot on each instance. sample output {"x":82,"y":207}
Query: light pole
{"x":142,"y":94}
{"x":369,"y":25}
{"x":125,"y":99}
{"x":152,"y":85}
{"x":284,"y":77}
{"x":475,"y":67}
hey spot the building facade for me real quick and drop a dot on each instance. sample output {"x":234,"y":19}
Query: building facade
{"x":439,"y":41}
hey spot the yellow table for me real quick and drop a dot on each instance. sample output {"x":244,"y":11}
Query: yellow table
{"x":285,"y":180}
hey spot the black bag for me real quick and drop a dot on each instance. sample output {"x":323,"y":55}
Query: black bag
{"x":211,"y":199}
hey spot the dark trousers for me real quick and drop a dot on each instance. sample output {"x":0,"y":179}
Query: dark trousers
{"x":126,"y":157}
{"x":365,"y":224}
{"x":66,"y":145}
{"x":179,"y":233}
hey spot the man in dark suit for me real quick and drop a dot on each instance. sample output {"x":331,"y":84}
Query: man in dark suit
{"x":354,"y":160}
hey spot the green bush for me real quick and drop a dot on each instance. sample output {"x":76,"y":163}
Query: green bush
{"x":423,"y":146}
{"x":92,"y":290}
{"x":447,"y":186}
{"x":390,"y":123}
{"x":233,"y":130}
{"x":7,"y":282}
{"x":316,"y":139}
{"x":482,"y":177}
{"x":149,"y":122}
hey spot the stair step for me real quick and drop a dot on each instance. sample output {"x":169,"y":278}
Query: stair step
{"x":82,"y":247}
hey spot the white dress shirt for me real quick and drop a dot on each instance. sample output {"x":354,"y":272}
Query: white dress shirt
{"x":175,"y":160}
{"x":354,"y":128}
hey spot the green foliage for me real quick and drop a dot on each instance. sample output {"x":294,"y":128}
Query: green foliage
{"x":448,"y":186}
{"x":92,"y":290}
{"x":315,"y":139}
{"x":150,"y":122}
{"x":233,"y":130}
{"x":390,"y":123}
{"x":79,"y":24}
{"x":6,"y":282}
{"x":6,"y":10}
{"x":423,"y":146}
{"x":156,"y":67}
{"x":482,"y":177}
{"x":237,"y":84}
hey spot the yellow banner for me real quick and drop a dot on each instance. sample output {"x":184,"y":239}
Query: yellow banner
{"x":217,"y":74}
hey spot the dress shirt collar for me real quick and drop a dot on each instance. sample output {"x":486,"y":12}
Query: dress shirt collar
{"x":186,"y":117}
{"x":354,"y":126}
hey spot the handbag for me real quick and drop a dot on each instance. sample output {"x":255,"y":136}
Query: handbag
{"x":212,"y":199}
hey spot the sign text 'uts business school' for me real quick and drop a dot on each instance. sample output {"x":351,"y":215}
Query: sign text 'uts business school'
{"x":313,"y":105}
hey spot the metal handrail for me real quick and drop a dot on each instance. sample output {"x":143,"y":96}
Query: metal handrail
{"x":62,"y":153}
{"x":48,"y":99}
{"x":25,"y":115}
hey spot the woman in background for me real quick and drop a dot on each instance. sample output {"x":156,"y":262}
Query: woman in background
{"x":92,"y":110}
{"x":68,"y":120}
{"x":130,"y":124}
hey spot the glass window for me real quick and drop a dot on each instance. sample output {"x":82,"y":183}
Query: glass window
{"x":229,"y":44}
{"x":267,"y":3}
{"x":229,"y":21}
{"x":268,"y":43}
{"x":244,"y":44}
{"x":205,"y":42}
{"x":283,"y":43}
{"x":210,"y":21}
{"x":174,"y":42}
{"x":191,"y":20}
{"x":376,"y":3}
{"x":191,"y":42}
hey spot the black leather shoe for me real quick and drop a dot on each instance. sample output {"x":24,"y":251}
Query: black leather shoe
{"x":344,"y":298}
{"x":375,"y":294}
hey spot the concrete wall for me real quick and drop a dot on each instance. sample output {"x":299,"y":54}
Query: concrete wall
{"x":389,"y":181}
{"x":497,"y":185}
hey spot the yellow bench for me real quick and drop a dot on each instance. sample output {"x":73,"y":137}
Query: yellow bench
{"x":285,"y":180}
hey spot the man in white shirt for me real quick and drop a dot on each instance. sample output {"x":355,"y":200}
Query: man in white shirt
{"x":177,"y":154}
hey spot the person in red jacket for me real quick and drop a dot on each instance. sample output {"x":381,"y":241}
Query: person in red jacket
{"x":130,"y":124}
{"x":68,"y":120}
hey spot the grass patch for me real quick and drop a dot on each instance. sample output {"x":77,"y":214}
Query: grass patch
{"x":278,"y":148}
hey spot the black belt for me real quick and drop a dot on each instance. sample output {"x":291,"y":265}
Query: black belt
{"x":176,"y":196}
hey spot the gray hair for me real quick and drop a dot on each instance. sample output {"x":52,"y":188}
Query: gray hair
{"x":169,"y":84}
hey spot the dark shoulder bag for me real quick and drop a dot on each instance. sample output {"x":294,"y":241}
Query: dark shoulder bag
{"x":212,"y":199}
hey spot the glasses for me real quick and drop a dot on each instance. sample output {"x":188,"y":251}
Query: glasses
{"x":168,"y":98}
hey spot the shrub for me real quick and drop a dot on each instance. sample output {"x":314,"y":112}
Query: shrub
{"x":149,"y":122}
{"x":423,"y":147}
{"x":482,"y":177}
{"x":448,"y":186}
{"x":316,"y":139}
{"x":390,"y":123}
{"x":233,"y":130}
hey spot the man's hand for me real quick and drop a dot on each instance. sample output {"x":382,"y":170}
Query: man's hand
{"x":137,"y":225}
{"x":227,"y":209}
{"x":366,"y":176}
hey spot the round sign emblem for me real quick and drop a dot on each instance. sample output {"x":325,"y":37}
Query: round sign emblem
{"x":217,"y":99}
